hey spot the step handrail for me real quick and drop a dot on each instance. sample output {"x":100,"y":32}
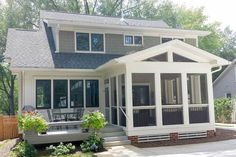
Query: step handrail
{"x":127,"y":117}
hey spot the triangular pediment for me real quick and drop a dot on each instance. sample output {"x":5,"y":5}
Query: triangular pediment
{"x":180,"y":51}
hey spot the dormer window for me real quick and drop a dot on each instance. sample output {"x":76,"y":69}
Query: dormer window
{"x":133,"y":40}
{"x":166,"y":39}
{"x":93,"y":42}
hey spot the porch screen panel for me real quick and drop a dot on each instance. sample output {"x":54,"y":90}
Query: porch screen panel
{"x":143,"y":92}
{"x":113,"y":92}
{"x":107,"y":102}
{"x":60,"y":93}
{"x":121,"y":97}
{"x":43,"y":94}
{"x":114,"y":111}
{"x":197,"y":89}
{"x":144,"y":117}
{"x":76,"y":93}
{"x":171,"y":89}
{"x":92,"y":94}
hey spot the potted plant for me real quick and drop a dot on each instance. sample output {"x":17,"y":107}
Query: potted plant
{"x":32,"y":122}
{"x":94,"y":122}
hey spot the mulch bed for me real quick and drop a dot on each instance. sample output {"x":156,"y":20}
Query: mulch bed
{"x":221,"y":134}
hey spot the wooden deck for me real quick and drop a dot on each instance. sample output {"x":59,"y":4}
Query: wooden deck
{"x":66,"y":132}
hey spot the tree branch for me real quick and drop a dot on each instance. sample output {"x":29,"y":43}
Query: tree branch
{"x":94,"y":6}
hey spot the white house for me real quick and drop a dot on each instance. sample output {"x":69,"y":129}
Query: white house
{"x":150,"y":80}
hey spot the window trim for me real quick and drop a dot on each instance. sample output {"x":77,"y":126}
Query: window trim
{"x":36,"y":94}
{"x":172,"y":37}
{"x":124,"y":35}
{"x":90,"y":44}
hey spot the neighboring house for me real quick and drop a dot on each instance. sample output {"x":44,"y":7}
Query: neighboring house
{"x":225,"y":84}
{"x":147,"y":78}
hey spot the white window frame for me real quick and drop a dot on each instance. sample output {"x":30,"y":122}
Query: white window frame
{"x":68,"y":88}
{"x":172,"y":37}
{"x":133,"y":44}
{"x":90,"y":43}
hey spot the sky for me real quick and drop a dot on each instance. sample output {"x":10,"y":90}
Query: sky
{"x":223,"y":11}
{"x":217,"y":10}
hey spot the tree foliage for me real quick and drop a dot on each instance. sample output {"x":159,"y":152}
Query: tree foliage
{"x":223,"y":110}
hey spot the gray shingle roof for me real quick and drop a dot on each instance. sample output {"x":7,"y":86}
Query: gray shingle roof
{"x":35,"y":49}
{"x":102,"y":19}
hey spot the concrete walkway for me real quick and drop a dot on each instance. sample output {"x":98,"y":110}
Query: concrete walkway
{"x":211,"y":149}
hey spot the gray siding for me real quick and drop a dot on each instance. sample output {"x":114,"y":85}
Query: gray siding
{"x":226,"y":84}
{"x":191,"y":41}
{"x":66,"y":41}
{"x":115,"y":44}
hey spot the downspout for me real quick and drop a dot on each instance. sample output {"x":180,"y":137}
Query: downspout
{"x":219,"y":69}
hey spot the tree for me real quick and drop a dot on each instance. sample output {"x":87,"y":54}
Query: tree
{"x":7,"y":86}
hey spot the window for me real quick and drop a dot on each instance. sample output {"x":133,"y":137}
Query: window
{"x":131,"y":40}
{"x":82,"y":40}
{"x":228,"y":95}
{"x":60,"y":94}
{"x":160,"y":58}
{"x":76,"y":93}
{"x":165,"y":39}
{"x":197,"y":89}
{"x":179,"y":58}
{"x":43,"y":94}
{"x":171,"y":89}
{"x":89,"y":42}
{"x":92,"y":99}
{"x":97,"y":42}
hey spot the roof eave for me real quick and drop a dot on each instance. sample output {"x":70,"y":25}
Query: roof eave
{"x":160,"y":29}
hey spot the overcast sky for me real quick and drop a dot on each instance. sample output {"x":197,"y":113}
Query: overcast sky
{"x":223,"y":11}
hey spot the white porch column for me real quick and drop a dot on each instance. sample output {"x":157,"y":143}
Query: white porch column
{"x":19,"y":77}
{"x":210,"y":98}
{"x":185,"y":98}
{"x":117,"y":100}
{"x":129,"y":100}
{"x":158,"y":99}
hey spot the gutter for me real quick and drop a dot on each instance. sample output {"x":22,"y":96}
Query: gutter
{"x":219,"y":69}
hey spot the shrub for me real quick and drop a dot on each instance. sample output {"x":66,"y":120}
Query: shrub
{"x":32,"y":121}
{"x":61,"y":149}
{"x":223,"y":109}
{"x":24,"y":149}
{"x":93,"y":143}
{"x":93,"y":121}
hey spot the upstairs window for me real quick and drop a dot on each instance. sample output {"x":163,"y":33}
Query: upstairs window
{"x":90,"y":42}
{"x":165,"y":39}
{"x":131,"y":40}
{"x":82,"y":41}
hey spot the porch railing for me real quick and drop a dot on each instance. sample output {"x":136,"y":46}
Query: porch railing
{"x":126,"y":116}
